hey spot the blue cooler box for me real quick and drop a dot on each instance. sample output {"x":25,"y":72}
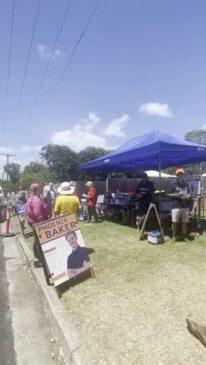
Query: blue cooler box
{"x":154,"y":237}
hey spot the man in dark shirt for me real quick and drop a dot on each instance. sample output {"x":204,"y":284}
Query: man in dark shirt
{"x":78,"y":260}
{"x":145,"y":189}
{"x":181,"y":204}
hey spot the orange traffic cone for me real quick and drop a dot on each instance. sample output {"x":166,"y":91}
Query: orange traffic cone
{"x":6,"y":232}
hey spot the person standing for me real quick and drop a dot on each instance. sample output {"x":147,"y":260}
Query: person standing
{"x":181,"y":203}
{"x":145,"y":191}
{"x":67,"y":202}
{"x":91,"y":197}
{"x":50,"y":196}
{"x":37,"y":211}
{"x":13,"y":200}
{"x":2,"y":197}
{"x":2,"y":207}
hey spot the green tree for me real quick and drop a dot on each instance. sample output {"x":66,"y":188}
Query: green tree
{"x":13,"y":170}
{"x":91,"y":153}
{"x":61,"y":160}
{"x":35,"y":167}
{"x":36,"y":171}
{"x":27,"y":178}
{"x":196,"y":136}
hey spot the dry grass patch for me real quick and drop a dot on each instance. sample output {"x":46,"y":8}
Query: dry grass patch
{"x":134,"y":311}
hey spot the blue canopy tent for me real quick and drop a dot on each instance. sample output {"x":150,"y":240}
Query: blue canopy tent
{"x":151,"y":151}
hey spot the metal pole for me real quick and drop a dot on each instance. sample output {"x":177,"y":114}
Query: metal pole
{"x":7,"y":162}
{"x":160,"y":182}
{"x":199,"y":197}
{"x":107,"y":182}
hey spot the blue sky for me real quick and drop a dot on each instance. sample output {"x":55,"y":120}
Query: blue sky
{"x":141,"y":66}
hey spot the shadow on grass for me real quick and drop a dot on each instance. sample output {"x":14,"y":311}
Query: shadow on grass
{"x":80,"y":278}
{"x":90,"y":251}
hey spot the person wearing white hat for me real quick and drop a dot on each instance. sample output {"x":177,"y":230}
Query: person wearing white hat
{"x":67,"y":202}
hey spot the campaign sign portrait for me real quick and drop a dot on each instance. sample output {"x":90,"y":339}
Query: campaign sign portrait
{"x":63,"y":248}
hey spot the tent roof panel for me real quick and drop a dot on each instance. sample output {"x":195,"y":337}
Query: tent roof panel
{"x":143,"y":152}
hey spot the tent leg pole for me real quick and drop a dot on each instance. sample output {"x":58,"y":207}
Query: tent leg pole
{"x":199,"y":199}
{"x":107,"y":182}
{"x":160,"y":183}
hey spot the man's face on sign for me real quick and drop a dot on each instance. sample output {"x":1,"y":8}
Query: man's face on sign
{"x":72,"y":240}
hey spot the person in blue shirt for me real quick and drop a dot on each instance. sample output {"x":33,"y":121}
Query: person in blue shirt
{"x":145,"y":191}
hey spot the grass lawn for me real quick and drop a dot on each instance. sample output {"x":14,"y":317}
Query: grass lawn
{"x":134,"y":311}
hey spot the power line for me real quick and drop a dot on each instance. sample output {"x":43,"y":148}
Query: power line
{"x":49,"y":61}
{"x":28,"y":58}
{"x":69,"y":61}
{"x":8,"y":69}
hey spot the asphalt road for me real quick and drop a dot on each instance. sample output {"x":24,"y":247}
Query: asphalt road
{"x":26,"y":336}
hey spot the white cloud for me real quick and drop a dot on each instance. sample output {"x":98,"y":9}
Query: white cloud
{"x":84,"y":133}
{"x":78,"y":140}
{"x":81,"y":135}
{"x":157,"y":109}
{"x":7,"y":150}
{"x":87,"y":124}
{"x":115,"y":127}
{"x":26,"y":148}
{"x":21,"y":149}
{"x":45,"y":52}
{"x":204,"y":127}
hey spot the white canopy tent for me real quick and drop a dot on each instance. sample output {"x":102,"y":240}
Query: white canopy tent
{"x":154,"y":173}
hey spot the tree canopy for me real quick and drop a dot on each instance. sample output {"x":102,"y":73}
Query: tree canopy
{"x":36,"y":171}
{"x":64,"y":162}
{"x":13,"y":170}
{"x":196,"y":136}
{"x":61,"y":160}
{"x":91,"y":153}
{"x":34,"y":167}
{"x":27,"y":178}
{"x":59,"y":164}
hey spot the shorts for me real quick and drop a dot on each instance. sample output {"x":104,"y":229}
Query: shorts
{"x":180,"y":214}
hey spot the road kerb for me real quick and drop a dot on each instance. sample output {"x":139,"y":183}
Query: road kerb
{"x":64,"y":329}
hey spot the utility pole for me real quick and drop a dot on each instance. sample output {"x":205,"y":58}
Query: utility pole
{"x":7,"y":161}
